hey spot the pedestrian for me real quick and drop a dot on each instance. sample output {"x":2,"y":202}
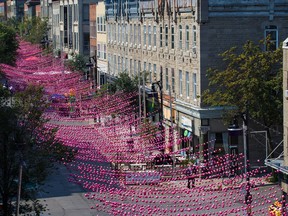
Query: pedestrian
{"x":191,"y":175}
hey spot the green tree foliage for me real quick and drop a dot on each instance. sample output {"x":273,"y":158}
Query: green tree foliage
{"x":124,"y":83}
{"x":77,"y":63}
{"x":24,"y":139}
{"x":249,"y":76}
{"x":8,"y":44}
{"x":33,"y":29}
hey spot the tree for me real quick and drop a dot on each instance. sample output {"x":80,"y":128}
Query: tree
{"x":34,"y":30}
{"x":124,"y":83}
{"x":77,"y":63}
{"x":250,"y":76}
{"x":26,"y":141}
{"x":8,"y":44}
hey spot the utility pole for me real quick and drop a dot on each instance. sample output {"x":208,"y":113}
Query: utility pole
{"x":248,"y":196}
{"x":171,"y":127}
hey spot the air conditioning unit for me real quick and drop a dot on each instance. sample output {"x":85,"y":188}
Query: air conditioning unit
{"x":286,"y":94}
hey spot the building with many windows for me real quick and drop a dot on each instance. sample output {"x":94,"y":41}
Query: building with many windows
{"x":101,"y":37}
{"x":70,"y":25}
{"x":182,"y":39}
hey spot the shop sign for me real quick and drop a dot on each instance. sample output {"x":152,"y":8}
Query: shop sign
{"x":186,"y":123}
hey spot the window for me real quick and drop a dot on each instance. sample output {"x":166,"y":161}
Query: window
{"x":139,"y":34}
{"x":194,"y":86}
{"x":77,"y":41}
{"x":219,"y":143}
{"x":271,"y":38}
{"x":187,"y":38}
{"x":139,"y":66}
{"x":131,"y":34}
{"x":187,"y":85}
{"x":109,"y":33}
{"x":161,"y":73}
{"x":101,"y":51}
{"x":155,"y":71}
{"x":109,"y":61}
{"x":115,"y":64}
{"x":155,"y":36}
{"x":144,"y":69}
{"x":144,"y":35}
{"x":118,"y":32}
{"x":167,"y":79}
{"x":172,"y":37}
{"x":180,"y":83}
{"x":135,"y":67}
{"x":149,"y":35}
{"x":101,"y":24}
{"x":126,"y":33}
{"x":173,"y":80}
{"x":122,"y":64}
{"x":123,"y":33}
{"x":166,"y":35}
{"x":180,"y":37}
{"x":119,"y":64}
{"x":76,"y":12}
{"x":130,"y":66}
{"x":194,"y":36}
{"x":104,"y":23}
{"x":161,"y":36}
{"x":150,"y":72}
{"x":126,"y":64}
{"x":86,"y":42}
{"x":104,"y":51}
{"x":115,"y":33}
{"x":98,"y":24}
{"x":135,"y":34}
{"x":85,"y":12}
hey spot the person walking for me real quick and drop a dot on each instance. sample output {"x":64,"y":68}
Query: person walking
{"x":191,"y":175}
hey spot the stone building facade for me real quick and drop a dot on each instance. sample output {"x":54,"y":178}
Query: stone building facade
{"x":73,"y":32}
{"x":181,"y":40}
{"x":284,"y":169}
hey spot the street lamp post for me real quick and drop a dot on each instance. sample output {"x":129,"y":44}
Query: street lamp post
{"x":235,"y":129}
{"x":160,"y":109}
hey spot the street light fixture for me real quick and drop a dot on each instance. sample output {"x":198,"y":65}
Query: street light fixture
{"x":235,"y":130}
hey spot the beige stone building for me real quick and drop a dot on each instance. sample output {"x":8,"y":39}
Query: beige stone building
{"x":285,"y":115}
{"x":181,"y":40}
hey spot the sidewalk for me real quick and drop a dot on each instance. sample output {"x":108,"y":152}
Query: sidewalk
{"x":215,"y":184}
